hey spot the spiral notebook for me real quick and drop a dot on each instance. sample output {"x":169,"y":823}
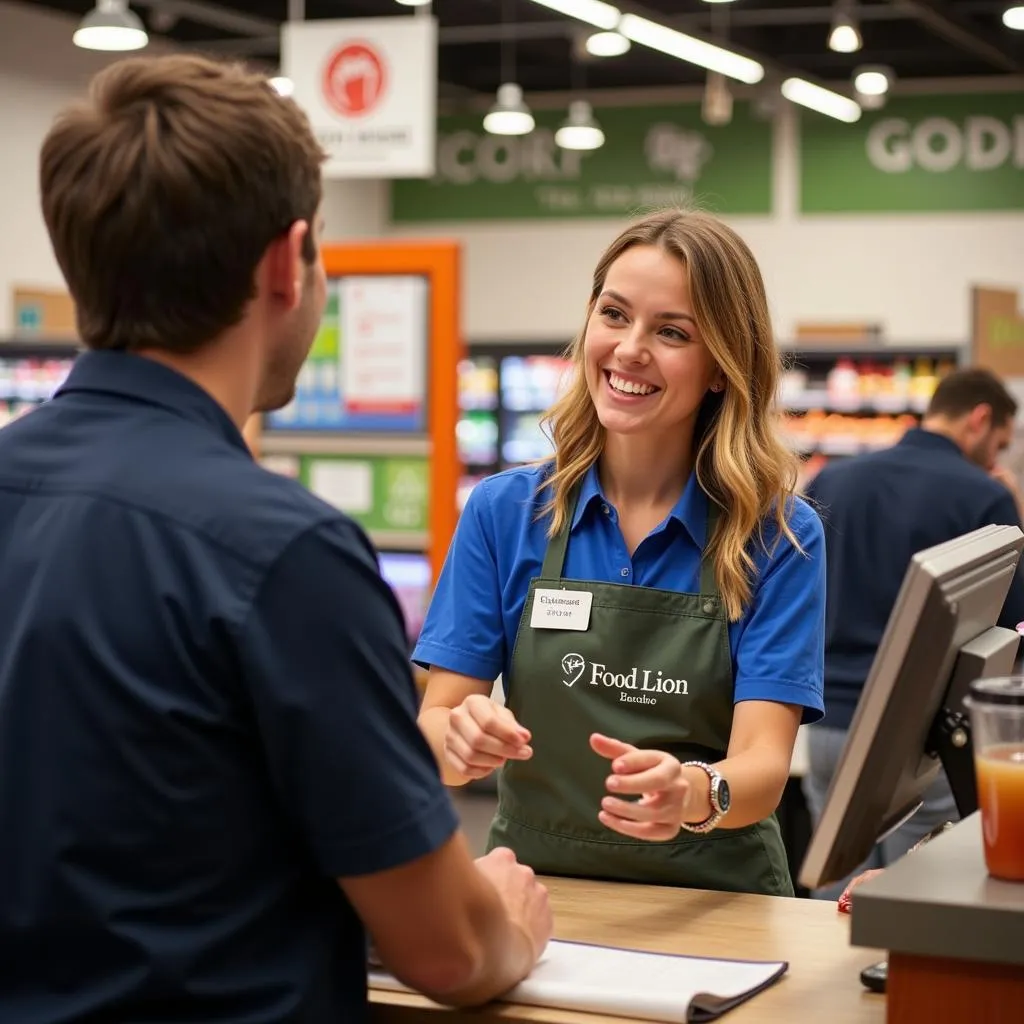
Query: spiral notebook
{"x":632,"y":983}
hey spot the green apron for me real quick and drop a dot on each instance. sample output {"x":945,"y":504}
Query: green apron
{"x":652,"y":668}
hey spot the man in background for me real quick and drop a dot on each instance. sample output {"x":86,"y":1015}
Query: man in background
{"x":212,"y":784}
{"x":938,"y":483}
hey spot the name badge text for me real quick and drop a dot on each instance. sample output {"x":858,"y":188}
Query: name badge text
{"x":561,"y":609}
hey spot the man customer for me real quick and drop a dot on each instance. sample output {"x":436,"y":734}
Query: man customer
{"x":212,"y":784}
{"x":940,"y":481}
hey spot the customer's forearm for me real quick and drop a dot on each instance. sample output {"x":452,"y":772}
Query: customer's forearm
{"x":434,"y":725}
{"x":507,"y":958}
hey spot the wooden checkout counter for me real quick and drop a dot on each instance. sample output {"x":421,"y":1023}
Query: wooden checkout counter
{"x":956,"y":936}
{"x":820,"y":987}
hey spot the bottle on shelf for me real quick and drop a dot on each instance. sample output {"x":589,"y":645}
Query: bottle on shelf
{"x":843,"y":383}
{"x":922,"y":384}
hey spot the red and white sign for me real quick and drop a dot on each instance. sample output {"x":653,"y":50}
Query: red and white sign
{"x":355,"y":78}
{"x":369,"y":88}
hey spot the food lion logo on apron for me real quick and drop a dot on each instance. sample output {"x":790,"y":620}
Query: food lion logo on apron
{"x":573,"y":666}
{"x":645,"y":682}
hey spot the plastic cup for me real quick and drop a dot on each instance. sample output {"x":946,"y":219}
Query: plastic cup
{"x":997,"y":728}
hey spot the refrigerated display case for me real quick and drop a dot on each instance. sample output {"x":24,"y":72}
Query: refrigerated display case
{"x":30,"y":372}
{"x":504,"y":391}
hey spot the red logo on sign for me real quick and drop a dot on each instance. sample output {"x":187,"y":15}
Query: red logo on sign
{"x":355,"y":78}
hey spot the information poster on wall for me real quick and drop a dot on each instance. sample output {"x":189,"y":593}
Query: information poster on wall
{"x":917,"y":154}
{"x":366,"y":370}
{"x":997,"y":343}
{"x":653,"y":156}
{"x":384,"y":494}
{"x":997,"y":333}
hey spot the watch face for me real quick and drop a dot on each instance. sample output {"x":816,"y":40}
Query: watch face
{"x":723,"y":795}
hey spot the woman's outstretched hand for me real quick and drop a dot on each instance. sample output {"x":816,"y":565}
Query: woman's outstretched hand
{"x":652,"y":775}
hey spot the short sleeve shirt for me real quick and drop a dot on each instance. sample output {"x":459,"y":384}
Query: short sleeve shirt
{"x":207,"y":716}
{"x":470,"y":628}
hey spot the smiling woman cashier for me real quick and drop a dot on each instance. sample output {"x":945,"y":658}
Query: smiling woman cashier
{"x":653,"y":595}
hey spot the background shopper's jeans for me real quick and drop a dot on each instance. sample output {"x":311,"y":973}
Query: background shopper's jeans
{"x":824,"y":747}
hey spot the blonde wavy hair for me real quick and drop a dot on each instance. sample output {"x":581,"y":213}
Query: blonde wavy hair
{"x":741,"y":463}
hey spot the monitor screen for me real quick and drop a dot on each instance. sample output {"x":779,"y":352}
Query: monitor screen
{"x":941,"y":635}
{"x":409,"y":576}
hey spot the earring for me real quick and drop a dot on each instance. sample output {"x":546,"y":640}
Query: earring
{"x":716,"y":388}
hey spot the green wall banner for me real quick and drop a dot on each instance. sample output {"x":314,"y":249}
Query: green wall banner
{"x":652,"y":157}
{"x":918,"y":153}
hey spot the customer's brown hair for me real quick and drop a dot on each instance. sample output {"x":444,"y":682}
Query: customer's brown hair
{"x":161,"y":192}
{"x":962,"y":391}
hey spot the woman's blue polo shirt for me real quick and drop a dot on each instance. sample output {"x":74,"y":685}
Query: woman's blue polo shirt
{"x":777,"y":645}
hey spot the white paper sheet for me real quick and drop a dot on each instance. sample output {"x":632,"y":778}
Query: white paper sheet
{"x":630,"y":983}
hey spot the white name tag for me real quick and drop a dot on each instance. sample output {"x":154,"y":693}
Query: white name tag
{"x":561,"y":609}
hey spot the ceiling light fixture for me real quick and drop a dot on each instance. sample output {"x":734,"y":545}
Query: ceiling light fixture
{"x":607,"y":44}
{"x":110,"y":25}
{"x":1013,"y":17}
{"x":580,"y":130}
{"x":716,"y":105}
{"x":825,"y":101}
{"x":873,"y":79}
{"x":413,"y":3}
{"x":593,"y":12}
{"x":688,"y":48}
{"x":510,"y":115}
{"x":844,"y":35}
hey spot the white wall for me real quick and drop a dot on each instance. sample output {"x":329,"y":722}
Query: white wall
{"x":354,"y":210}
{"x":909,"y":273}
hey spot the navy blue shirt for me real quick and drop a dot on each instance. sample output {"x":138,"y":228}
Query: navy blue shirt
{"x":470,"y":628}
{"x":206,"y":716}
{"x":879,"y":510}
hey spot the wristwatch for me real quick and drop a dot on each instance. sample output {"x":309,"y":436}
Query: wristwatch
{"x":720,"y":799}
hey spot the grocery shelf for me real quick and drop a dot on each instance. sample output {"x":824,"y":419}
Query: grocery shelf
{"x":881,"y":352}
{"x":310,"y":442}
{"x":414,"y":540}
{"x":892,"y":405}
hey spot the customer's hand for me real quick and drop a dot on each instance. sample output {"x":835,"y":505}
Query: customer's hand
{"x":845,"y":899}
{"x":1006,"y":477}
{"x":526,"y":900}
{"x":482,"y":735}
{"x":652,"y":775}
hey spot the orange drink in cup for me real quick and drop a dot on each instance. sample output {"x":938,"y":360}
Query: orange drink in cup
{"x":997,"y":729}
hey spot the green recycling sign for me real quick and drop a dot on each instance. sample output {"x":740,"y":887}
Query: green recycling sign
{"x":653,"y":156}
{"x":385,"y":494}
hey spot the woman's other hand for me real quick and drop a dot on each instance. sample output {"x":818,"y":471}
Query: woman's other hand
{"x":482,"y":735}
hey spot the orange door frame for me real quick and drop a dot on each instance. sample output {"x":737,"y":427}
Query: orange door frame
{"x":439,"y":261}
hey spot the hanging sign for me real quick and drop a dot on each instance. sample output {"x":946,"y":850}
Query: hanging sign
{"x":369,"y":88}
